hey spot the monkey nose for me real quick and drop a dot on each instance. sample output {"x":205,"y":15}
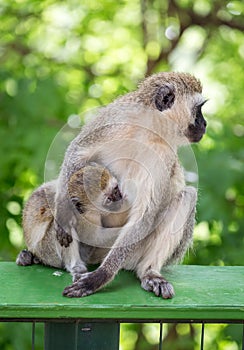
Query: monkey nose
{"x":117,"y":196}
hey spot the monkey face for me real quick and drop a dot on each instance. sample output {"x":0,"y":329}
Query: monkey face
{"x":113,"y":199}
{"x":181,"y":93}
{"x":196,"y":130}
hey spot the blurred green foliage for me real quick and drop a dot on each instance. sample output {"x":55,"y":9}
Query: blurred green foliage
{"x":61,"y":58}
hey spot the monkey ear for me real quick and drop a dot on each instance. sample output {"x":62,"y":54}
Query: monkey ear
{"x":164,"y":97}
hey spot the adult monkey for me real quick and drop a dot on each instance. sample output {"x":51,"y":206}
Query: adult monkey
{"x":136,"y":137}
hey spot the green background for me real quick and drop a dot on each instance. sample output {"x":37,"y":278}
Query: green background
{"x":62,"y":58}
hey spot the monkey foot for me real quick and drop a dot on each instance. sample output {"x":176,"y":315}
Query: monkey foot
{"x":88,"y":284}
{"x":158,"y":285}
{"x":26,"y":258}
{"x":62,"y":236}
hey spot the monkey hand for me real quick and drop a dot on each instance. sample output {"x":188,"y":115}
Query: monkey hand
{"x":88,"y":284}
{"x":158,"y":285}
{"x":62,"y":236}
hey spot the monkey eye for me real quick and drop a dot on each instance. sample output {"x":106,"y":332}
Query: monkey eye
{"x":108,"y":200}
{"x":74,"y":200}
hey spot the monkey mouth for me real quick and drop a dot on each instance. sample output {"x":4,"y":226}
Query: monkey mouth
{"x":196,"y":138}
{"x":115,"y":206}
{"x":194,"y":135}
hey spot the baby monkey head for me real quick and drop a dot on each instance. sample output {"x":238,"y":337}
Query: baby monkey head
{"x":94,"y":188}
{"x":179,"y":97}
{"x":113,"y":198}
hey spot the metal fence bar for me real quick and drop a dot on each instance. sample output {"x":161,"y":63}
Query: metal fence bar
{"x":243,"y":337}
{"x":202,"y":336}
{"x":160,"y":345}
{"x":33,"y":335}
{"x":80,"y":335}
{"x":106,"y":333}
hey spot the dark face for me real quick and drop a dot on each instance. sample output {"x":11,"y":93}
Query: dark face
{"x":113,"y":200}
{"x":196,"y":131}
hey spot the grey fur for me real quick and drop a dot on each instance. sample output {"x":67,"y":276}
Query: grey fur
{"x":136,"y":138}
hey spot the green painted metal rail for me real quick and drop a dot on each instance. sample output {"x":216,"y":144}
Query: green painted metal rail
{"x":202,"y":292}
{"x":211,"y":294}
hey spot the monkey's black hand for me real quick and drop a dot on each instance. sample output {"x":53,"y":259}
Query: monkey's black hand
{"x":88,"y":284}
{"x":62,"y":236}
{"x":158,"y":285}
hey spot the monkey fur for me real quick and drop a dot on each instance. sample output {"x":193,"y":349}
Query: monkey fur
{"x":94,"y":194}
{"x":136,"y":138}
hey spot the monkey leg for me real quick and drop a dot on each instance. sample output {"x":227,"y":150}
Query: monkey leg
{"x":72,"y":260}
{"x":53,"y":254}
{"x":48,"y":251}
{"x":185,"y":242}
{"x":167,"y":244}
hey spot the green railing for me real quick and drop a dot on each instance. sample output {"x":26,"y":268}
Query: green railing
{"x":34,"y":294}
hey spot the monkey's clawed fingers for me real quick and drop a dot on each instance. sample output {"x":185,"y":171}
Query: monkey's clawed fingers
{"x":88,"y":284}
{"x":62,"y":236}
{"x":158,"y":285}
{"x":76,"y":290}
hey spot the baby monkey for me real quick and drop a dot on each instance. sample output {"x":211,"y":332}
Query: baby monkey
{"x":94,"y":196}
